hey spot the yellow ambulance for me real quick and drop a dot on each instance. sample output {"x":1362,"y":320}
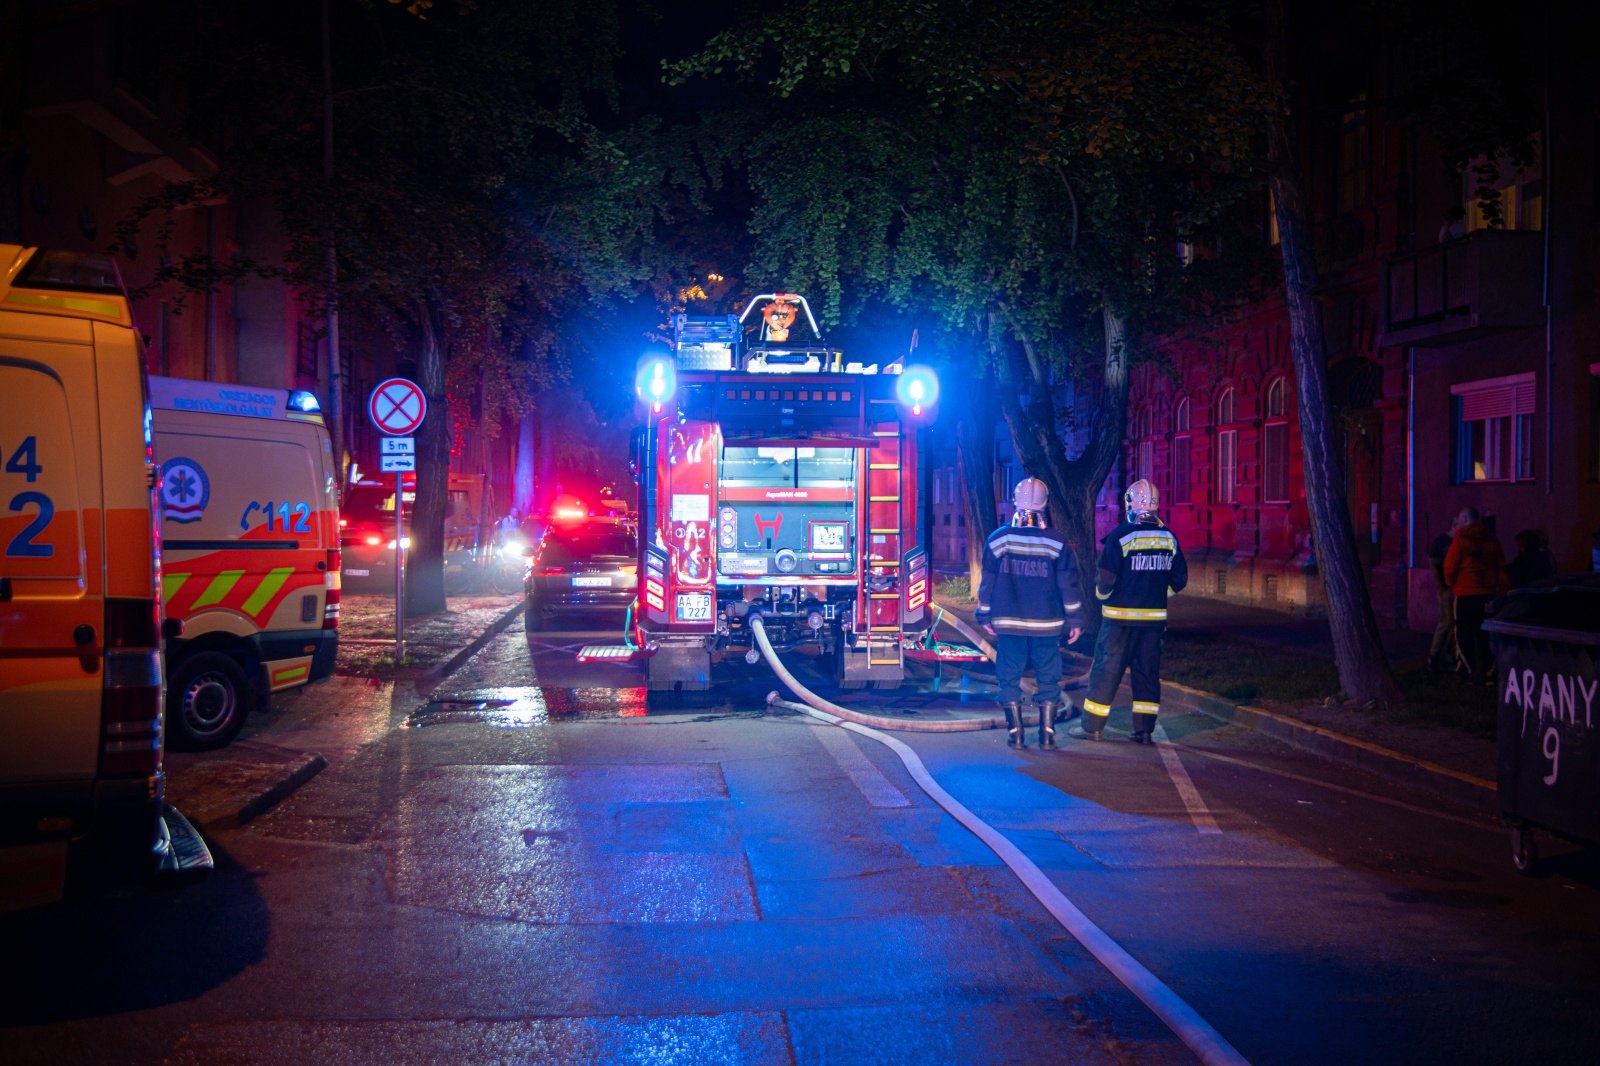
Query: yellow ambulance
{"x":81,"y":784}
{"x":250,"y":550}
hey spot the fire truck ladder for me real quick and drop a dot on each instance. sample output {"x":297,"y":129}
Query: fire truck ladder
{"x":883,"y":520}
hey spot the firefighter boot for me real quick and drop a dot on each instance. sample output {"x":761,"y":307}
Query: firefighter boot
{"x":1047,"y":725}
{"x":1014,"y":723}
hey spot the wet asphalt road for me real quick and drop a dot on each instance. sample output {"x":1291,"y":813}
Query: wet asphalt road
{"x":526,"y":866}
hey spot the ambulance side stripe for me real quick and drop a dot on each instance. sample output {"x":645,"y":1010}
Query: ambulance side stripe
{"x":220,"y":586}
{"x":266,"y":590}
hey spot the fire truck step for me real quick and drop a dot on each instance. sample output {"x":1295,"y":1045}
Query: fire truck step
{"x":609,"y":653}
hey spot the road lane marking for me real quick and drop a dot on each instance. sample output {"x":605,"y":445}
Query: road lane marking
{"x":1204,"y":823}
{"x":878,"y":790}
{"x":1208,"y":1045}
{"x":1339,"y":788}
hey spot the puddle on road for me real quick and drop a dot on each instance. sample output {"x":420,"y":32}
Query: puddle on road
{"x":528,"y":707}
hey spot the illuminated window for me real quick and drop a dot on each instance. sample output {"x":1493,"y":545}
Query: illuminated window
{"x":1494,"y":429}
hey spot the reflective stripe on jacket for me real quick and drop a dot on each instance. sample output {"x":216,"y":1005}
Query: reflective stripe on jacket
{"x":1140,"y":564}
{"x":1030,"y":583}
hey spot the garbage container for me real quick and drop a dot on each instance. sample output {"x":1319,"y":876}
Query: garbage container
{"x":1546,"y":642}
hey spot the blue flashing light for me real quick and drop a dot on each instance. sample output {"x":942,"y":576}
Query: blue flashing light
{"x":301,"y":400}
{"x":917,"y":388}
{"x":657,"y":381}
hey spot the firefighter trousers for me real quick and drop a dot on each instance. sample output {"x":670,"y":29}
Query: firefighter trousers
{"x":1118,"y":648}
{"x":1012,"y":655}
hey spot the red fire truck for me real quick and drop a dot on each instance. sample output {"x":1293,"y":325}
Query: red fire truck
{"x":777,"y":480}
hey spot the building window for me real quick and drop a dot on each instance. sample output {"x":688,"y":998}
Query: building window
{"x":1227,"y":449}
{"x":1518,"y":199}
{"x":1182,"y":451}
{"x":1351,"y":158}
{"x":1146,"y":458}
{"x":1275,"y":445}
{"x":1494,"y":429}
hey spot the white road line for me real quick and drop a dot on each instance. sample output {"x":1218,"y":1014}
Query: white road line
{"x":1209,"y":1046}
{"x":878,"y":790}
{"x":1476,"y":824}
{"x":1203,"y":822}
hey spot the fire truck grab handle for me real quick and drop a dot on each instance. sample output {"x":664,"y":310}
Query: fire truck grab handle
{"x":782,"y":296}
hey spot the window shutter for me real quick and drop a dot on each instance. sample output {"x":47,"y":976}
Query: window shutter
{"x":1525,"y":401}
{"x":1491,"y":403}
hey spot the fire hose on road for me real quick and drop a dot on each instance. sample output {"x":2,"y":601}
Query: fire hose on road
{"x":1197,"y":1034}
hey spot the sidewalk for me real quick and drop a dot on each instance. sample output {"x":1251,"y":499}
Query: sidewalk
{"x":286,"y":746}
{"x":366,"y":633}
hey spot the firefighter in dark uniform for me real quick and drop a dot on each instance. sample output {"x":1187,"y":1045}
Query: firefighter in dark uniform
{"x":1140,"y":565}
{"x":1028,"y":594}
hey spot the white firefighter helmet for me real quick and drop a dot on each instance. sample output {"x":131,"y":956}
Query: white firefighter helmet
{"x":1141,"y":499}
{"x":1030,"y":497}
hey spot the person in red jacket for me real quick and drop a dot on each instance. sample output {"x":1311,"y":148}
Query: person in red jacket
{"x":1475,"y":568}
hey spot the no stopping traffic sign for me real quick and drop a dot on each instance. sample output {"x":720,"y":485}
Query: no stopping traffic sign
{"x":397,"y":406}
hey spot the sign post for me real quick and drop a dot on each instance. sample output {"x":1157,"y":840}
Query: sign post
{"x":397,"y":407}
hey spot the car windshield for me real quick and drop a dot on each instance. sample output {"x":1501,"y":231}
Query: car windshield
{"x":580,"y":544}
{"x":373,"y":503}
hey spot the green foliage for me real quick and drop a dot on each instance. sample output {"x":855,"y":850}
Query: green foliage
{"x":948,"y":158}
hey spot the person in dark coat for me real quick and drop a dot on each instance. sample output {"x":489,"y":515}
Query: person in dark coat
{"x":1534,"y":561}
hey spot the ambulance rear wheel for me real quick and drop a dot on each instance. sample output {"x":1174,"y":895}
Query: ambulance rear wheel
{"x":208,"y":700}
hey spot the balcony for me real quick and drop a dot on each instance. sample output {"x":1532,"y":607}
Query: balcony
{"x":1485,"y":283}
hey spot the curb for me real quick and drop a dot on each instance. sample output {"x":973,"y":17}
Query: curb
{"x":456,"y":661}
{"x":286,"y":786}
{"x":1362,"y":754}
{"x":230,"y":805}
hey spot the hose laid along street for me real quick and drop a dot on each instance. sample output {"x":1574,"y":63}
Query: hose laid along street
{"x":526,"y":865}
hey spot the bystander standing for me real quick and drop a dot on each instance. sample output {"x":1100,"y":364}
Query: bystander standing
{"x":1442,"y":652}
{"x":1475,"y":568}
{"x":1533,"y":562}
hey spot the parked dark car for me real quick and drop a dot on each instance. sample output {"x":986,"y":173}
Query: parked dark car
{"x":586,"y":565}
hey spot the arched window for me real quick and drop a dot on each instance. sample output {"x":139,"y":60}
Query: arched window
{"x":1145,"y":449}
{"x":1182,"y":454}
{"x":1275,"y":445}
{"x":1277,"y":399}
{"x":1227,"y":448}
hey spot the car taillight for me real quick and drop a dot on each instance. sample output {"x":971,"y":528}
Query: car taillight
{"x":373,"y":538}
{"x":130,"y":706}
{"x":629,"y":568}
{"x":548,"y":570}
{"x":335,"y":582}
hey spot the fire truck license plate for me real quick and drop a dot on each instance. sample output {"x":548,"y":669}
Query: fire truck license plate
{"x":694,"y":606}
{"x":591,"y":582}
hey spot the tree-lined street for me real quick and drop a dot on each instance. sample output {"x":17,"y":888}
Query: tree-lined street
{"x":523,"y":865}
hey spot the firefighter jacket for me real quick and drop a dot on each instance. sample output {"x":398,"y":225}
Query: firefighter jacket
{"x":1030,"y":583}
{"x":1140,"y":564}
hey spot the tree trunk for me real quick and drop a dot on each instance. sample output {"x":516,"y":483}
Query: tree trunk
{"x":1357,"y":648}
{"x":975,"y":456}
{"x":1073,"y":483}
{"x":425,"y":560}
